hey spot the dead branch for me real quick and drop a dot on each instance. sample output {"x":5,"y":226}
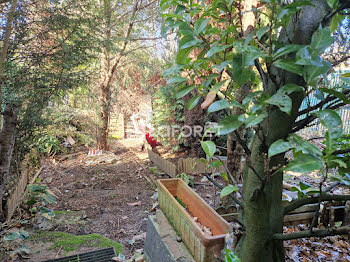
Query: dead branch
{"x":315,"y":233}
{"x":312,"y":200}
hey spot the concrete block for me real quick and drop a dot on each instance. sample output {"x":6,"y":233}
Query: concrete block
{"x":161,"y":242}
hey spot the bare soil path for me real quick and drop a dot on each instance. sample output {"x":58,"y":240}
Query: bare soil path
{"x":114,"y":195}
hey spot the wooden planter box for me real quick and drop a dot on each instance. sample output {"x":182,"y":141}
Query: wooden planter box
{"x":202,"y":246}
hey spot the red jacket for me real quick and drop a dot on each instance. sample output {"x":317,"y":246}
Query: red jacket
{"x":153,"y":143}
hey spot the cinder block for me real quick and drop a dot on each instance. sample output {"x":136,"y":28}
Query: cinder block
{"x":161,"y":243}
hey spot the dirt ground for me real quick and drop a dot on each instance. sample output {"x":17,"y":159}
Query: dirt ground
{"x":113,"y":194}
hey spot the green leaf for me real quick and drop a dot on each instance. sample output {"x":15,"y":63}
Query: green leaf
{"x":304,"y":146}
{"x":182,"y":55}
{"x":262,"y":31}
{"x":172,"y":70}
{"x":215,"y":49}
{"x":304,"y":163}
{"x":337,"y":94}
{"x":200,"y":25}
{"x":313,"y":72}
{"x":336,"y":20}
{"x":228,"y":190}
{"x":290,"y":66}
{"x":183,"y":91}
{"x":346,"y":75}
{"x":339,"y":162}
{"x":193,"y":102}
{"x":230,"y":255}
{"x":279,"y":147}
{"x":332,"y":3}
{"x":180,"y":9}
{"x":209,"y":148}
{"x":218,"y":105}
{"x":321,"y":39}
{"x":241,"y":75}
{"x":254,"y":120}
{"x":190,"y":43}
{"x":332,"y":121}
{"x":294,"y":189}
{"x":250,"y":54}
{"x":225,"y":177}
{"x":221,"y":66}
{"x":286,"y":50}
{"x":12,"y":236}
{"x":304,"y":186}
{"x":283,"y":102}
{"x":290,"y":88}
{"x":176,"y":80}
{"x":228,"y":125}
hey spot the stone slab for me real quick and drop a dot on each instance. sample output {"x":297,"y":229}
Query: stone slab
{"x":161,"y":243}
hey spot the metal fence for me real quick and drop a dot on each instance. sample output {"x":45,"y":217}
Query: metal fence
{"x":334,"y":81}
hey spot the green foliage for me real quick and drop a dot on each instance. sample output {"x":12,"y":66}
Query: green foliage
{"x":48,"y":144}
{"x":303,"y":190}
{"x":231,"y":256}
{"x":228,"y":52}
{"x":39,"y":197}
{"x":228,"y":190}
{"x":189,"y":180}
{"x":167,"y":113}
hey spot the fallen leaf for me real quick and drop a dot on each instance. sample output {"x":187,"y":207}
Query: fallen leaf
{"x":208,"y":100}
{"x":134,"y":204}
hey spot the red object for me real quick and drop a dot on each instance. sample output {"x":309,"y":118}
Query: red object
{"x":150,"y":139}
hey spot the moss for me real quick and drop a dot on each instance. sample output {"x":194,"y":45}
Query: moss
{"x":69,"y":242}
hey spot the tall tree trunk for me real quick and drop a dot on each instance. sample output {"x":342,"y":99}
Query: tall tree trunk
{"x":7,"y":142}
{"x":110,"y":69}
{"x":263,"y":200}
{"x":5,"y":47}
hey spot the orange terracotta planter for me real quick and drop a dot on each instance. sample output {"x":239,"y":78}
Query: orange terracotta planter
{"x":202,"y":246}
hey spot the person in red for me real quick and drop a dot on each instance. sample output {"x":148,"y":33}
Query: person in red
{"x":151,"y":140}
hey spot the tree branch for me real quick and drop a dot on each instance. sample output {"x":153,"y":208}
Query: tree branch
{"x":262,"y":73}
{"x":230,"y":195}
{"x":315,"y":233}
{"x":343,"y":151}
{"x":312,"y":200}
{"x":335,"y":63}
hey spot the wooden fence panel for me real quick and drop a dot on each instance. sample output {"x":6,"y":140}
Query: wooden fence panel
{"x":165,"y":165}
{"x":16,"y":194}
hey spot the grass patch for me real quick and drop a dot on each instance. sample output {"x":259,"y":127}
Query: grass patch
{"x":69,"y":242}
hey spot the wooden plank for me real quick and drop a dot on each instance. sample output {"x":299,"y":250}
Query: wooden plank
{"x":195,"y":166}
{"x":297,"y":217}
{"x":16,"y":195}
{"x":168,"y":167}
{"x":304,"y":209}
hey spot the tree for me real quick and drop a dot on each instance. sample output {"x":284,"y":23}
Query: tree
{"x":123,"y":33}
{"x":281,"y":64}
{"x":41,"y":44}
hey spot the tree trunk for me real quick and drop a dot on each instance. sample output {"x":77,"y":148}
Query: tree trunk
{"x":234,"y":149}
{"x":263,"y":200}
{"x":7,"y":142}
{"x":192,"y":118}
{"x":105,"y":113}
{"x":5,"y":46}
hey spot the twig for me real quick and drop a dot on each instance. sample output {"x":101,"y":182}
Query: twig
{"x":315,"y":233}
{"x":230,"y":195}
{"x":312,"y":200}
{"x":227,"y":170}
